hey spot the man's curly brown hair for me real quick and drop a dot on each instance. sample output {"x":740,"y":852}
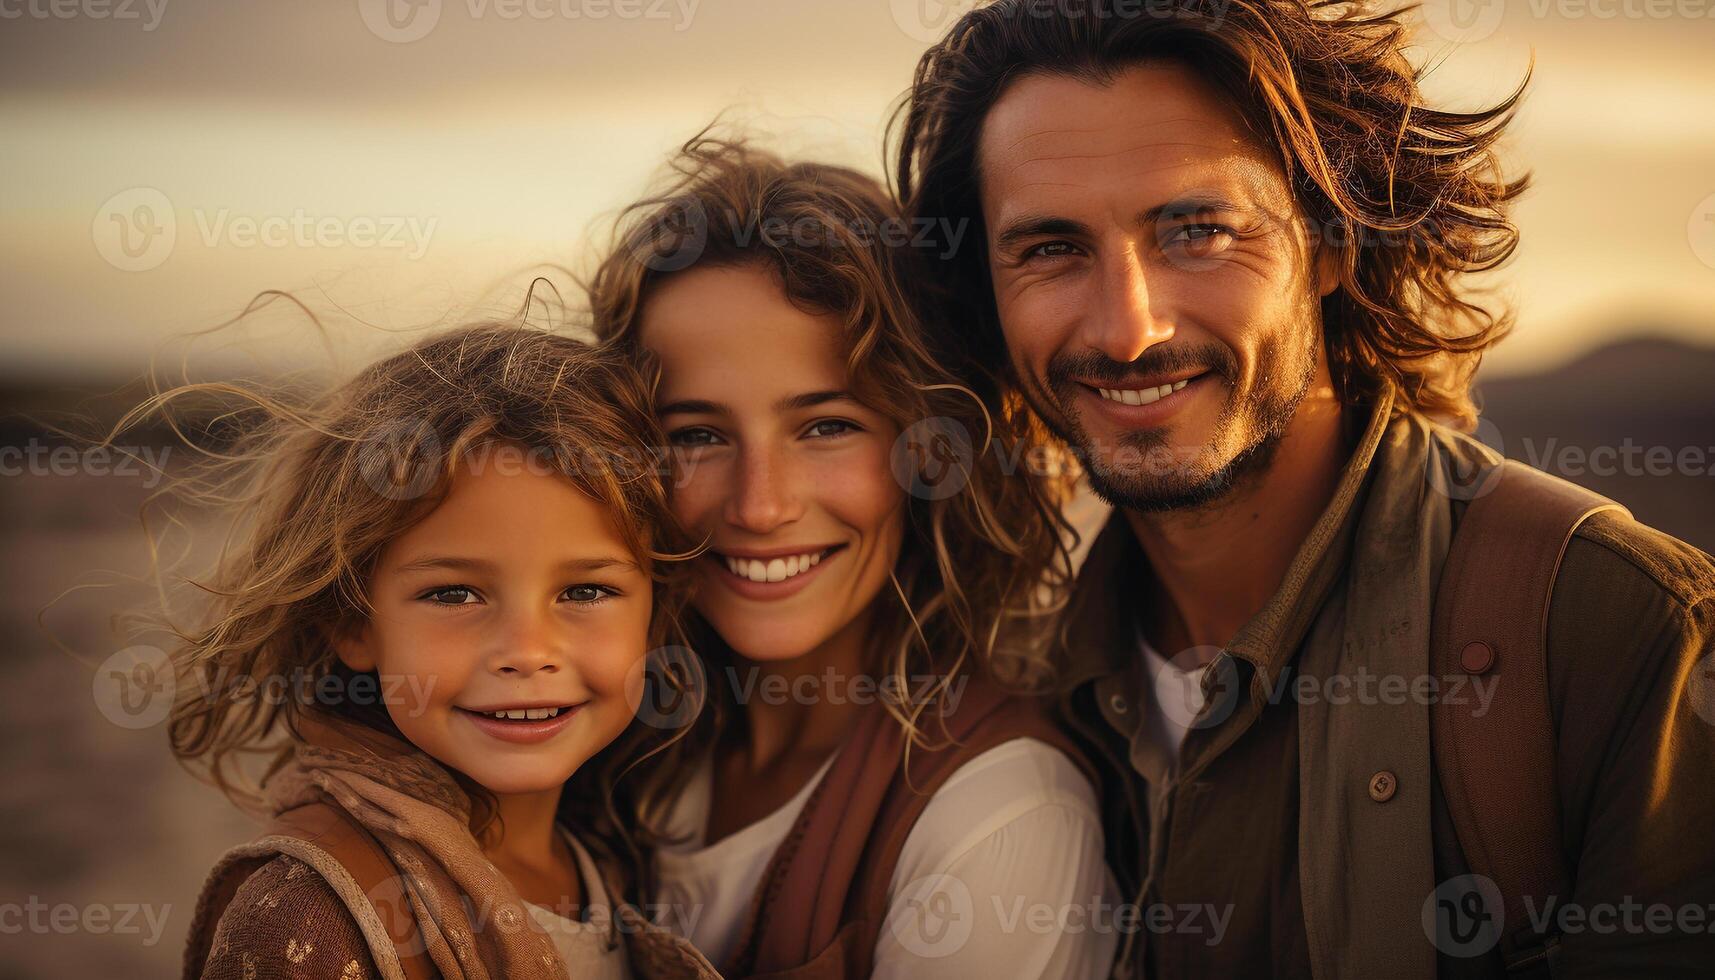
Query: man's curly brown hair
{"x":1408,"y":198}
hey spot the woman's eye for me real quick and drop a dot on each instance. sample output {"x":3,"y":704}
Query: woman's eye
{"x":691,"y":437}
{"x":587,"y":593}
{"x":827,"y":428}
{"x":452,"y":595}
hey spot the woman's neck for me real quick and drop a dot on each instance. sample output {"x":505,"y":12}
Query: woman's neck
{"x":801,"y":708}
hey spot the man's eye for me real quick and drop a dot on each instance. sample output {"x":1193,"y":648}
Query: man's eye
{"x":451,"y":595}
{"x":691,"y":437}
{"x":1202,"y":239}
{"x":585,"y":594}
{"x":1051,"y":250}
{"x":828,"y":428}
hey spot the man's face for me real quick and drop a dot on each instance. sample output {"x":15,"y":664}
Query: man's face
{"x":1154,"y":280}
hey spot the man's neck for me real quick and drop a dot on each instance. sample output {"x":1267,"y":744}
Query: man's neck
{"x":1219,"y":564}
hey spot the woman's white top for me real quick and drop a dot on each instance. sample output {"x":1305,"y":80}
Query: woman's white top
{"x":1002,"y":876}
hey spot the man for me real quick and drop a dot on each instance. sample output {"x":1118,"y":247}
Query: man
{"x":1221,"y":260}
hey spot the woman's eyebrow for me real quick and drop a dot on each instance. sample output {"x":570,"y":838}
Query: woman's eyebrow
{"x":700,"y":406}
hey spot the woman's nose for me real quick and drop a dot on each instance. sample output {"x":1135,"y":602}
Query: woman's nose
{"x":763,"y":497}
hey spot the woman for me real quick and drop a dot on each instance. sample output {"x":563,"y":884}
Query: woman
{"x":861,"y":798}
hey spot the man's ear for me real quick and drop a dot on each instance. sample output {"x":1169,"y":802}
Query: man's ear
{"x":1327,"y":270}
{"x":354,"y":644}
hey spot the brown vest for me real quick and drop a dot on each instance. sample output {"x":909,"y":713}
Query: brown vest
{"x":822,"y":902}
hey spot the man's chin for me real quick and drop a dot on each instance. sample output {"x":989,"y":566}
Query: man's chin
{"x":1161,"y":479}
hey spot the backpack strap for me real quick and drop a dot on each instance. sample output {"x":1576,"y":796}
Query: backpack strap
{"x":329,"y":828}
{"x":1496,"y":768}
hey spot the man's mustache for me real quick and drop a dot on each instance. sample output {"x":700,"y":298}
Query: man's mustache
{"x":1091,"y":367}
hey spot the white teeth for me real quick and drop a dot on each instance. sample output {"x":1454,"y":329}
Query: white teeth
{"x":1141,"y":396}
{"x":525,"y":714}
{"x":773,"y":569}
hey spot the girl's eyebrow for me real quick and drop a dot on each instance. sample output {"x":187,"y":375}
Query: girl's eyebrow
{"x":809,"y":399}
{"x":460,"y":564}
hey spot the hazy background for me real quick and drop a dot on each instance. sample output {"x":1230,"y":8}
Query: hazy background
{"x":432,"y":153}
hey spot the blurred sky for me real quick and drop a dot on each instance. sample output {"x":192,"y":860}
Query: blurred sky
{"x":431,"y":151}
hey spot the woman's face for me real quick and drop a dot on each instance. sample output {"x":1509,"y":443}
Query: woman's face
{"x":515,"y":597}
{"x":786,"y":474}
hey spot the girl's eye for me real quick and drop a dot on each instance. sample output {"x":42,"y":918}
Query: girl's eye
{"x":697,"y":436}
{"x":829,"y":428}
{"x":450,"y":595}
{"x":585,"y":594}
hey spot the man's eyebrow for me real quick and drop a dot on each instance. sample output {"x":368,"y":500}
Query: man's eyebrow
{"x":1031,"y":226}
{"x":809,"y":399}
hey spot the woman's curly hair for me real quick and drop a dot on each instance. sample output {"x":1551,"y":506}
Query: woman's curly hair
{"x":1407,"y":198}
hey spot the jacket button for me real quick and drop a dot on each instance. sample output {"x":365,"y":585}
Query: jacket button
{"x":1382,"y":786}
{"x":1476,"y":658}
{"x":1119,"y":704}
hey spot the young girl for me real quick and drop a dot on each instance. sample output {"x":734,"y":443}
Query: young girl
{"x":863,"y":800}
{"x":453,"y":568}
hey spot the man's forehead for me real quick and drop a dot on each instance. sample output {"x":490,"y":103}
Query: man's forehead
{"x":1153,"y":128}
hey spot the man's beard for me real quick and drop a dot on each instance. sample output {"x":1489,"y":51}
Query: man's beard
{"x":1179,"y":477}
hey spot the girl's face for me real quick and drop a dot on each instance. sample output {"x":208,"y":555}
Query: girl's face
{"x":514,"y":596}
{"x":776,"y":462}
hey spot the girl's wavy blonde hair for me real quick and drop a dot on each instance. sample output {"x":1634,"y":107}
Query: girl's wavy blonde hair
{"x":315,"y":487}
{"x":981,"y":570}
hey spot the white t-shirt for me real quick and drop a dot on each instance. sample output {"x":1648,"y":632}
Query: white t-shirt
{"x":1002,"y":875}
{"x":1177,"y":691}
{"x":583,"y":943}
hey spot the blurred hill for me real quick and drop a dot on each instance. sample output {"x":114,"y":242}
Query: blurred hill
{"x":1634,"y":421}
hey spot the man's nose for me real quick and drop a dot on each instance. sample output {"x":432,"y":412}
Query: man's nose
{"x":1125,"y":321}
